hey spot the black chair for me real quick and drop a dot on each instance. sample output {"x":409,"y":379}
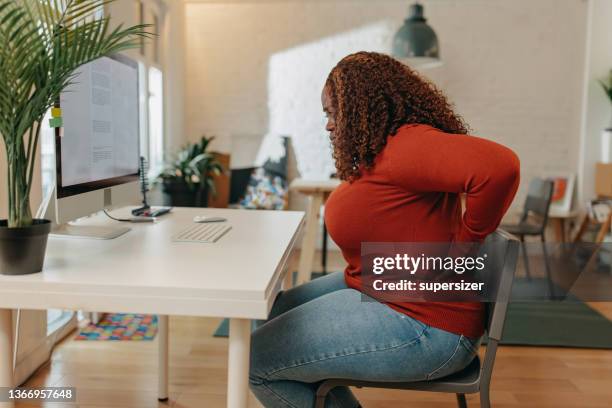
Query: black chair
{"x":502,"y":251}
{"x":534,"y":219}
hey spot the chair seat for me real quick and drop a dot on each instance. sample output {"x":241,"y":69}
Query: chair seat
{"x":465,"y":381}
{"x":523,"y":228}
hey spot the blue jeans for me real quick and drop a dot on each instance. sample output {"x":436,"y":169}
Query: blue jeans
{"x":323,"y":329}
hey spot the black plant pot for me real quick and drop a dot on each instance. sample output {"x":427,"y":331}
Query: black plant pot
{"x":178,"y":194}
{"x":22,"y":250}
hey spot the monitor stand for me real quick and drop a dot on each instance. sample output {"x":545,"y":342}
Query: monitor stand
{"x":47,"y":211}
{"x":87,"y":232}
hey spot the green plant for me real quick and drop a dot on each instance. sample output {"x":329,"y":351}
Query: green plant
{"x":607,"y":86}
{"x":193,"y":166}
{"x":42,"y":42}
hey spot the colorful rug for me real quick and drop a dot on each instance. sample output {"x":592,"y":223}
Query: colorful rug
{"x":121,"y":326}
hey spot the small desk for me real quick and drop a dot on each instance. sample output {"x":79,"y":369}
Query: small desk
{"x":559,"y":222}
{"x":317,"y":192}
{"x":604,"y":228}
{"x":143,"y":271}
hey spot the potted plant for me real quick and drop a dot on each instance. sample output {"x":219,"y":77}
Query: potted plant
{"x":606,"y":136}
{"x":187,"y":180}
{"x":41,"y":45}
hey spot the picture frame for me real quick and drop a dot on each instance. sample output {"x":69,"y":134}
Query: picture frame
{"x":563,"y":194}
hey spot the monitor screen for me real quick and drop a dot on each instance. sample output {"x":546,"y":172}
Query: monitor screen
{"x":98,"y":145}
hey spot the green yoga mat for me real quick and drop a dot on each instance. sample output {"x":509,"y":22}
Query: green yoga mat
{"x":568,"y":323}
{"x":223,"y":329}
{"x":544,"y":323}
{"x":557,"y":324}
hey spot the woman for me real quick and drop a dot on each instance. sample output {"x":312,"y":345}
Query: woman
{"x":405,"y":159}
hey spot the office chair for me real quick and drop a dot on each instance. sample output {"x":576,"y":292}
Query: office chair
{"x":502,"y":251}
{"x":537,"y":203}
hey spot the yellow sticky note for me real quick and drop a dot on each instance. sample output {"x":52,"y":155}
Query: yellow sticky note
{"x":56,"y":112}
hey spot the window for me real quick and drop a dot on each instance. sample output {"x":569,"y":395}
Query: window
{"x":151,"y":77}
{"x":156,"y":121}
{"x":56,"y":319}
{"x":47,"y":156}
{"x":156,"y":39}
{"x":143,"y":119}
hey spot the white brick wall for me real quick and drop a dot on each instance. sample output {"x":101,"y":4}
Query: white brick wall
{"x":513,"y":68}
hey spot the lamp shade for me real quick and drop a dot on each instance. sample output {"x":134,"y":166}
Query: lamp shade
{"x":416,"y":42}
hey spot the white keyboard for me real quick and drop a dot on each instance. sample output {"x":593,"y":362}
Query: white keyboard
{"x":209,"y":232}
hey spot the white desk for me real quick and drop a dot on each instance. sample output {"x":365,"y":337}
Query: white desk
{"x":143,"y":271}
{"x":317,"y":192}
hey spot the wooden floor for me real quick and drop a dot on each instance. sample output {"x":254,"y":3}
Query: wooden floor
{"x":123,"y":374}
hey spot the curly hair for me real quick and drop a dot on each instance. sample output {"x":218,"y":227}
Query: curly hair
{"x":373,"y":95}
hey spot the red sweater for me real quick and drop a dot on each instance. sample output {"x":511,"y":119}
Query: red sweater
{"x":412,"y":194}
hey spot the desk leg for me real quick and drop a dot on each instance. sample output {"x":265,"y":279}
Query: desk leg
{"x":162,"y":332}
{"x":559,"y":224}
{"x":288,"y":280}
{"x":604,"y":230}
{"x":238,"y":365}
{"x":6,"y":352}
{"x":310,"y":235}
{"x":583,"y":227}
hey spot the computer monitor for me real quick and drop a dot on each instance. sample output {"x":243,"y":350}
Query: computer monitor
{"x":97,"y":150}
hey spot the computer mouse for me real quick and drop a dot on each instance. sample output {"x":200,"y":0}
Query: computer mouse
{"x":202,"y":218}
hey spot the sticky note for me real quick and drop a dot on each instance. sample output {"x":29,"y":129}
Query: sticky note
{"x":56,"y":122}
{"x":56,"y":112}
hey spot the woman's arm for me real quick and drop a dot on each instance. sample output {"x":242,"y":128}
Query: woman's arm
{"x":425,"y":159}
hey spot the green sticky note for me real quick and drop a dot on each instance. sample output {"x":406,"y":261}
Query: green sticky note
{"x":56,"y":122}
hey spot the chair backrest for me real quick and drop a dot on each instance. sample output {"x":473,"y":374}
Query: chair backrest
{"x":538,"y":199}
{"x":502,"y":250}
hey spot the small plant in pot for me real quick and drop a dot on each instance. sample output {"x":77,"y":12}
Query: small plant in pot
{"x":42,"y":43}
{"x":607,"y":86}
{"x":187,"y":180}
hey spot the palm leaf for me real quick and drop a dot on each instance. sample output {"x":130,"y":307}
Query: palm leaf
{"x":42,"y":43}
